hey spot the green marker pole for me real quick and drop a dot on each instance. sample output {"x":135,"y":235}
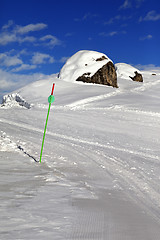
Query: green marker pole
{"x":50,"y":100}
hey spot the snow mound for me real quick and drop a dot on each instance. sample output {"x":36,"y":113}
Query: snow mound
{"x":14,"y":100}
{"x":125,"y":70}
{"x":6,"y":145}
{"x":83,"y":62}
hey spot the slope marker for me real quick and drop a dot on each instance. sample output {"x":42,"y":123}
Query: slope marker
{"x":51,"y":99}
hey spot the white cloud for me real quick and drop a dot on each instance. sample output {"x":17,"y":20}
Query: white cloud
{"x":131,"y":4}
{"x":30,"y":28}
{"x":24,"y":67}
{"x":16,"y":33}
{"x":8,"y":25}
{"x":63,"y":59}
{"x":41,"y":58}
{"x":11,"y":33}
{"x":146,"y":37}
{"x":111,"y":34}
{"x":27,"y":39}
{"x":86,"y":16}
{"x":6,"y":38}
{"x":126,"y":4}
{"x":69,"y":34}
{"x":11,"y":81}
{"x":50,"y":40}
{"x":117,"y":18}
{"x":5,"y":81}
{"x":23,"y":52}
{"x":89,"y":15}
{"x":151,"y":16}
{"x":113,"y":19}
{"x":8,"y":61}
{"x":149,"y":67}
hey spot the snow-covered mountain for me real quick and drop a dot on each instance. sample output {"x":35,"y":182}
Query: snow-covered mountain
{"x":99,"y":176}
{"x":125,"y":70}
{"x":82,"y":62}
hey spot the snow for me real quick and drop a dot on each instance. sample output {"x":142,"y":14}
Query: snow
{"x":82,"y":62}
{"x":6,"y":144}
{"x":99,"y":176}
{"x":125,"y":70}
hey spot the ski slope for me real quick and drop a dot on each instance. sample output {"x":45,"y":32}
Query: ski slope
{"x":100,"y":171}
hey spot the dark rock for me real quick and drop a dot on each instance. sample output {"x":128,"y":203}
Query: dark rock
{"x":101,"y":59}
{"x":138,"y":77}
{"x":154,"y":74}
{"x":105,"y":75}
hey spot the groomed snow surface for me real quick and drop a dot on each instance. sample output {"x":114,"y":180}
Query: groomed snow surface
{"x":100,"y":171}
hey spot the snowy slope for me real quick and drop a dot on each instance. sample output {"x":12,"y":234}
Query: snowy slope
{"x":99,"y":176}
{"x":82,"y":62}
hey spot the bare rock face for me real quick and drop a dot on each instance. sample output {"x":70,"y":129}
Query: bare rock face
{"x":14,"y":99}
{"x":138,"y":77}
{"x":106,"y":75}
{"x":101,"y":58}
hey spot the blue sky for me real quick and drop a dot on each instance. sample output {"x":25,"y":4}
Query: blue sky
{"x":37,"y":36}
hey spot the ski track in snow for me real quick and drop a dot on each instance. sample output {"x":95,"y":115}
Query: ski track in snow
{"x":145,"y":86}
{"x":8,"y":145}
{"x":134,"y":171}
{"x":121,"y":108}
{"x":137,"y":180}
{"x":83,"y":141}
{"x":83,"y":102}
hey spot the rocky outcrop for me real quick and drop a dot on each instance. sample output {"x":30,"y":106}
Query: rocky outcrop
{"x":101,"y":58}
{"x":138,"y":77}
{"x":128,"y":72}
{"x":14,"y":100}
{"x":106,"y":75}
{"x":89,"y":67}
